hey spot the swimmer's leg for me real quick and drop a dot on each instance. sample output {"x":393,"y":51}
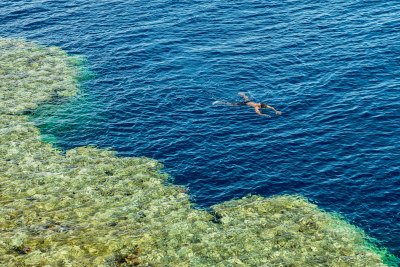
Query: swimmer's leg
{"x":229,"y":104}
{"x":244,"y":96}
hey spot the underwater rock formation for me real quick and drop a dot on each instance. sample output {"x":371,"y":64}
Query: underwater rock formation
{"x":87,"y":207}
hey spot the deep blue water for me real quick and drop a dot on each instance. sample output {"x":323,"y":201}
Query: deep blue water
{"x":331,"y":67}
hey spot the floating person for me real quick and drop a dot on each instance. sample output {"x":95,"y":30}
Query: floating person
{"x":248,"y":102}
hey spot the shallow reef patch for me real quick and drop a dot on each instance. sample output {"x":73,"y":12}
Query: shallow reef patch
{"x":88,"y":207}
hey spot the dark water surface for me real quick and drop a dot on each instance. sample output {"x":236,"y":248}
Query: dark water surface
{"x":331,"y":67}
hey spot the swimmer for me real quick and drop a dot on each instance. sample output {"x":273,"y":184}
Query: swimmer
{"x":248,"y":102}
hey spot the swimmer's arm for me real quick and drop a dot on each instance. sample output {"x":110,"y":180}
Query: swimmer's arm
{"x":259,"y":113}
{"x":277,"y":112}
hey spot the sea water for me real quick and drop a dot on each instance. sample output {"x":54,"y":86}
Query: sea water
{"x":331,"y":68}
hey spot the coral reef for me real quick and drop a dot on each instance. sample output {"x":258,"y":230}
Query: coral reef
{"x":87,"y":207}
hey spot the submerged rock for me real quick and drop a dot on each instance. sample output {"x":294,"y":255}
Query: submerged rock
{"x":87,"y":207}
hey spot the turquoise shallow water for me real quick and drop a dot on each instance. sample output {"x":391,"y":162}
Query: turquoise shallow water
{"x":331,"y":67}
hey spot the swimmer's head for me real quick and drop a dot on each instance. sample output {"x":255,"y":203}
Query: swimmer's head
{"x":263,"y":105}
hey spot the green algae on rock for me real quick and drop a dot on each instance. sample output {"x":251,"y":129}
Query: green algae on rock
{"x":87,"y":207}
{"x":32,"y":74}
